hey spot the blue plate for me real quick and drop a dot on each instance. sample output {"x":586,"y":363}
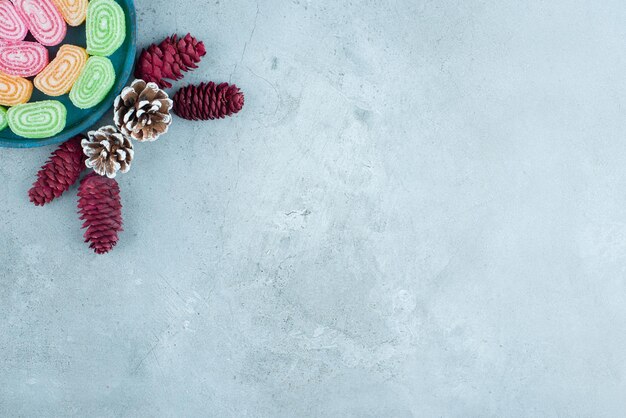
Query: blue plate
{"x":79,"y":120}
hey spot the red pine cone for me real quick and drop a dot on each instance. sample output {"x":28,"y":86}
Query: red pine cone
{"x":59,"y":173}
{"x":169,"y":59}
{"x":190,"y":51}
{"x":208,"y":101}
{"x":100,"y":208}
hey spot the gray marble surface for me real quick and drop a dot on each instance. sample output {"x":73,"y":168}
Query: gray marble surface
{"x":421,"y":212}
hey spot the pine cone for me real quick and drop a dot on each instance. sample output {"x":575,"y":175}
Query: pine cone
{"x":108,"y":151}
{"x":168,"y":59}
{"x":59,"y":173}
{"x":142,"y":111}
{"x":100,"y":208}
{"x":208,"y":101}
{"x":190,"y":51}
{"x":155,"y":65}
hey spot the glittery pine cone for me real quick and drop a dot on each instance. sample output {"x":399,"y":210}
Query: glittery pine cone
{"x":208,"y":101}
{"x":59,"y":173}
{"x":169,"y":59}
{"x":142,"y":111}
{"x":100,"y":208}
{"x":108,"y":151}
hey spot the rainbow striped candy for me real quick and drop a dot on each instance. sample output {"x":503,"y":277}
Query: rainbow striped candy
{"x":12,"y":26}
{"x":106,"y":27}
{"x":74,"y":11}
{"x":22,"y":59}
{"x":59,"y":76}
{"x":93,"y":84}
{"x":44,"y":20}
{"x":14,"y":90}
{"x":37,"y":119}
{"x":4,"y":121}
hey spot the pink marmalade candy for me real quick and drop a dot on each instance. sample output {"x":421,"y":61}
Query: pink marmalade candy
{"x":44,"y":20}
{"x":22,"y":59}
{"x":12,"y":26}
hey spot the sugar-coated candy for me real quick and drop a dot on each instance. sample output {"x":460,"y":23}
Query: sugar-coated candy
{"x":22,"y":59}
{"x":63,"y":71}
{"x":12,"y":26}
{"x":14,"y":90}
{"x":74,"y":11}
{"x":37,"y":119}
{"x":44,"y":20}
{"x":94,"y":82}
{"x":4,"y":121}
{"x":106,"y":27}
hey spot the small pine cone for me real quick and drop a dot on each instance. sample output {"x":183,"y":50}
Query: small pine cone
{"x":108,"y":151}
{"x":142,"y":111}
{"x":100,"y":208}
{"x":169,"y":59}
{"x":208,"y":101}
{"x":59,"y":173}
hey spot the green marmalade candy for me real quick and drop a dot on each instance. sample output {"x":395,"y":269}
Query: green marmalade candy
{"x":37,"y":119}
{"x":106,"y":27}
{"x":94,"y":82}
{"x":4,"y":121}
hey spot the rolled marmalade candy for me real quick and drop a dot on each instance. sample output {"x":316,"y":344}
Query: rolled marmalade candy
{"x":62,"y":72}
{"x":12,"y":26}
{"x":106,"y":27}
{"x":93,"y":84}
{"x":44,"y":20}
{"x":74,"y":11}
{"x":14,"y":90}
{"x":22,"y":59}
{"x":37,"y":119}
{"x":4,"y":122}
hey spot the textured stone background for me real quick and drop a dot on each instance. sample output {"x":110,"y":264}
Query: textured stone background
{"x":421,"y":211}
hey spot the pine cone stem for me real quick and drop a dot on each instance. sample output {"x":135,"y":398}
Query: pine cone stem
{"x":59,"y":173}
{"x":100,"y":208}
{"x":208,"y":101}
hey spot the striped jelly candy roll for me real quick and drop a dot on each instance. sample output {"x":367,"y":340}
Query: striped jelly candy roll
{"x":22,"y":59}
{"x":37,"y":119}
{"x":12,"y":26}
{"x":59,"y":76}
{"x":4,"y":121}
{"x":74,"y":11}
{"x":106,"y":27}
{"x":14,"y":90}
{"x":44,"y":20}
{"x":93,"y":84}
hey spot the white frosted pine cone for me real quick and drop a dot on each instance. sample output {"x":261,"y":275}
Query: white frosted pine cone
{"x":108,"y":151}
{"x":142,"y":111}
